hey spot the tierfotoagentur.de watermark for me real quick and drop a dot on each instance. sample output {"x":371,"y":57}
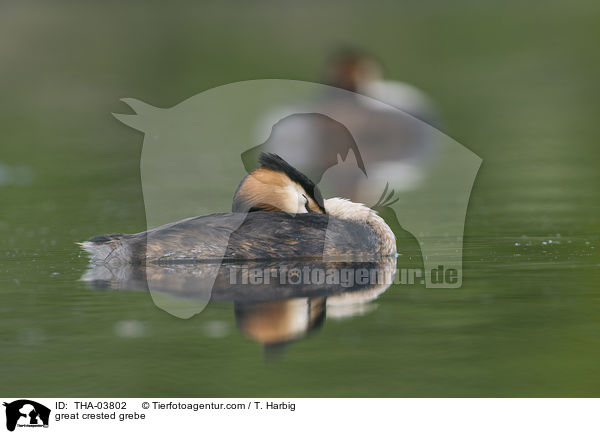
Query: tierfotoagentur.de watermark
{"x":343,"y":277}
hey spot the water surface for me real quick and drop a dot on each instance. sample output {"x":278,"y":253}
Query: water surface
{"x":522,"y":96}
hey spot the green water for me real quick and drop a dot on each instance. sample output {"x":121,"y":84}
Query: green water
{"x":516,"y":83}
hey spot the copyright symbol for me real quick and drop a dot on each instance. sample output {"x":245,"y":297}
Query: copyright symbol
{"x":145,"y":405}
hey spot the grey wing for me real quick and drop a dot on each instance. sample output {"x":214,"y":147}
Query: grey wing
{"x":238,"y":236}
{"x":265,"y":235}
{"x":203,"y":238}
{"x":258,"y":235}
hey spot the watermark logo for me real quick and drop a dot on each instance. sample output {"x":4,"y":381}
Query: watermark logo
{"x":352,"y":146}
{"x":343,"y":277}
{"x":24,"y":413}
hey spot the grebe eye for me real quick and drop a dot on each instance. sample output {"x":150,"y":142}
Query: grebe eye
{"x":306,"y":207}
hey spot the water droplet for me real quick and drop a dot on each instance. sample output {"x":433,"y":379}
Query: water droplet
{"x":130,"y":329}
{"x":215,"y":329}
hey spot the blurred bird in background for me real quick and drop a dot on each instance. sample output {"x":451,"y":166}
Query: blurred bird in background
{"x":362,"y":137}
{"x":385,"y":124}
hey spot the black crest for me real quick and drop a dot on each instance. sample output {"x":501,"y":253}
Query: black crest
{"x":278,"y":164}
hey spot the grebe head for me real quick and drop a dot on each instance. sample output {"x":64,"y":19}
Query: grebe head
{"x":277,"y":186}
{"x":352,"y":70}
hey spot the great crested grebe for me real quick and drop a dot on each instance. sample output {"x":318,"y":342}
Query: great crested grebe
{"x":277,"y":213}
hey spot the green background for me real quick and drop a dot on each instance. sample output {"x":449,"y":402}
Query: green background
{"x":516,"y":82}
